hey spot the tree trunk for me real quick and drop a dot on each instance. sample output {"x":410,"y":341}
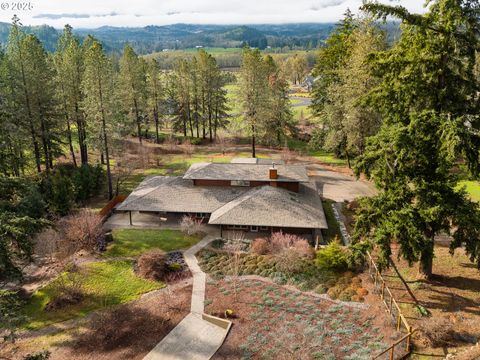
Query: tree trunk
{"x":81,"y":136}
{"x":425,"y":269}
{"x":70,"y":144}
{"x":105,"y":142}
{"x":253,"y":141}
{"x":155,"y":116}
{"x":137,"y":117}
{"x":348,"y":159}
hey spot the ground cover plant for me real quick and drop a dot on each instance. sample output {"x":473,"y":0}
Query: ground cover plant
{"x":276,"y":322}
{"x":302,"y":272}
{"x":102,"y":284}
{"x":126,"y":241}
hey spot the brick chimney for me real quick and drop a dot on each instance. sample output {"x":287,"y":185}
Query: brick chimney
{"x":273,"y":172}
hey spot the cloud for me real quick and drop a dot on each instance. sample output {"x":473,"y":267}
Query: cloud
{"x":94,"y":13}
{"x":72,"y":16}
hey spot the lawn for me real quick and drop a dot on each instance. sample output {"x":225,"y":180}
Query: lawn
{"x":473,"y":189}
{"x":104,"y":283}
{"x":134,"y":242}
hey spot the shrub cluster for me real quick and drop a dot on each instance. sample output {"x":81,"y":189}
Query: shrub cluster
{"x":152,"y":265}
{"x":191,"y":226}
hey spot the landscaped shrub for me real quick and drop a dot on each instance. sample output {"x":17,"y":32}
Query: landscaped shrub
{"x":152,"y":265}
{"x":303,"y":248}
{"x":68,"y":289}
{"x":362,"y":292}
{"x":191,"y":226}
{"x":280,"y":241}
{"x":332,"y":257}
{"x":260,"y":247}
{"x":79,"y":231}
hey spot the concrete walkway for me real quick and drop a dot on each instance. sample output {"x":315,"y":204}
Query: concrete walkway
{"x":193,"y":338}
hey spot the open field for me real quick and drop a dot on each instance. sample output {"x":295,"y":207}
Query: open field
{"x":473,"y":188}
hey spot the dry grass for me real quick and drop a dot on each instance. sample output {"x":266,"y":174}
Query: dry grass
{"x":452,"y":294}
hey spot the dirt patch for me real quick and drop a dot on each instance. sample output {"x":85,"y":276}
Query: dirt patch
{"x":275,"y":322}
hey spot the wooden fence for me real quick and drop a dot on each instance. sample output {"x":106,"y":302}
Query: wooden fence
{"x":401,"y":348}
{"x":111,"y":204}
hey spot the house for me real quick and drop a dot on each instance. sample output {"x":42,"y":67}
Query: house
{"x":251,"y":195}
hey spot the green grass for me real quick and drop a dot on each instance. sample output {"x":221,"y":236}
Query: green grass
{"x":333,"y":230}
{"x":134,"y":242}
{"x":472,"y":187}
{"x":327,"y":158}
{"x":104,"y":283}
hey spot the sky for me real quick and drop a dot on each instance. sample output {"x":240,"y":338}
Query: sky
{"x":132,"y":13}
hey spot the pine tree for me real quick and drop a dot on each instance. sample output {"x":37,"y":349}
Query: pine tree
{"x":98,"y":103}
{"x":253,"y":92}
{"x":69,"y":73}
{"x":132,"y":86}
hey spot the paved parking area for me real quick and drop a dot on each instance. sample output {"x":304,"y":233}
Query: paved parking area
{"x":339,"y":187}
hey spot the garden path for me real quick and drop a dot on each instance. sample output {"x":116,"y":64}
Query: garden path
{"x":193,"y":338}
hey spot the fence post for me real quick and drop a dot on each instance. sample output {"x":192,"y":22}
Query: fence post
{"x":408,"y":338}
{"x":399,"y":319}
{"x":383,"y":290}
{"x":391,"y":352}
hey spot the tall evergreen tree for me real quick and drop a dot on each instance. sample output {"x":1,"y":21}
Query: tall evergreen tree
{"x":69,"y":73}
{"x":98,"y":103}
{"x":253,"y":92}
{"x":132,"y":85}
{"x":428,"y":98}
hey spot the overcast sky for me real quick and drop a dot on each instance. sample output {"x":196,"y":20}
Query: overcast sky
{"x":95,"y":13}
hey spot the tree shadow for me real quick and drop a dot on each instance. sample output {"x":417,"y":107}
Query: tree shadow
{"x":130,"y":328}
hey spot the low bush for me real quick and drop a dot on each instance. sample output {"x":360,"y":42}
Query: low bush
{"x":260,"y":247}
{"x":41,"y":355}
{"x":152,"y":265}
{"x":191,"y":226}
{"x":437,"y":332}
{"x":332,"y":257}
{"x":68,"y":289}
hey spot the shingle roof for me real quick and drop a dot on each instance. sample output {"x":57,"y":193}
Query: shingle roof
{"x":174,"y":194}
{"x":247,"y":172}
{"x":276,"y":207}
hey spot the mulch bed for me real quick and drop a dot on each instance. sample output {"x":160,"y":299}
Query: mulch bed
{"x":276,"y":322}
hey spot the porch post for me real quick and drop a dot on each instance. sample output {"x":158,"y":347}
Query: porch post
{"x":130,"y":216}
{"x":221,"y":231}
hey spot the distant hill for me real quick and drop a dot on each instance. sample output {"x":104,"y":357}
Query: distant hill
{"x":182,"y":36}
{"x":150,"y":39}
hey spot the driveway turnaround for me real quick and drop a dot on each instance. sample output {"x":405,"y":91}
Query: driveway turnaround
{"x":194,"y":338}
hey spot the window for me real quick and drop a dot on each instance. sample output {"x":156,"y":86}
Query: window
{"x":264,"y":228}
{"x":202,"y":215}
{"x":254,"y":228}
{"x":240,"y":183}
